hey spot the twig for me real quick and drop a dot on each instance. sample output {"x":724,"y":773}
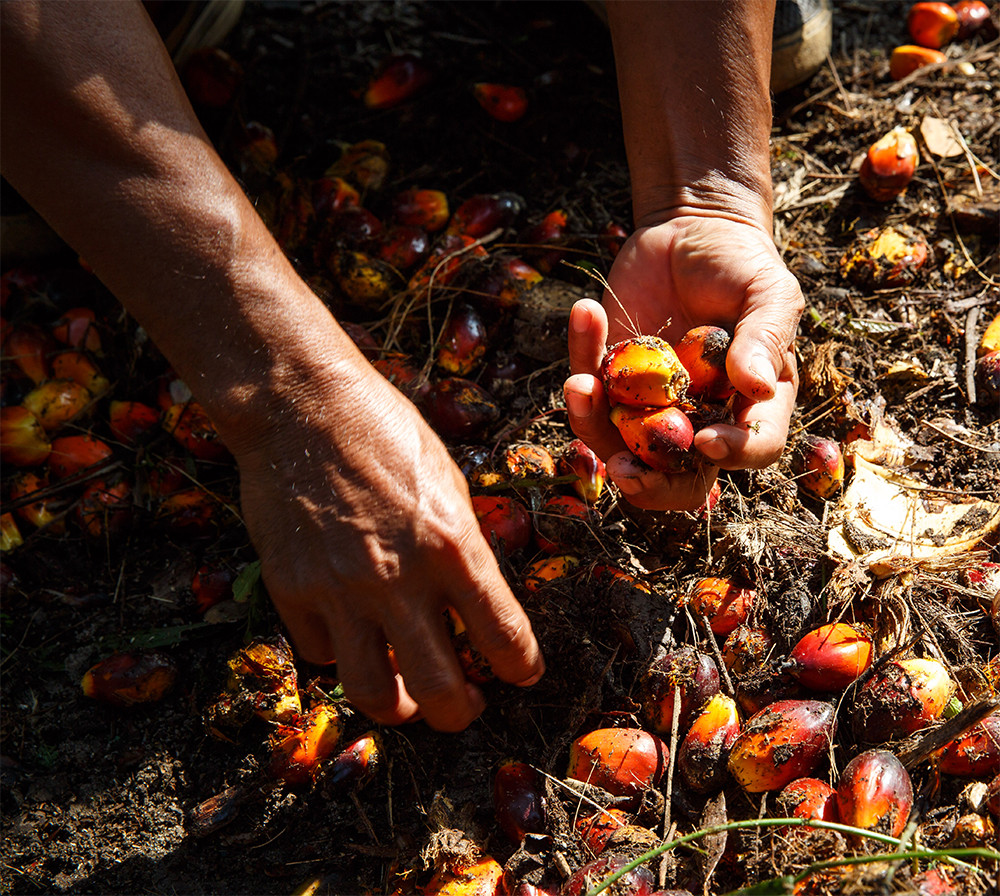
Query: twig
{"x":971,"y":334}
{"x":666,"y":863}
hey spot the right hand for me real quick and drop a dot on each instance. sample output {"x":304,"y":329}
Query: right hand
{"x":366,"y":534}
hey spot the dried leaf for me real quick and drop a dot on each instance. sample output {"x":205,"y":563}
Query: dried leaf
{"x":715,"y":844}
{"x":939,"y":138}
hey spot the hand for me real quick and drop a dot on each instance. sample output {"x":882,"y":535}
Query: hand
{"x":366,"y":533}
{"x":686,"y":272}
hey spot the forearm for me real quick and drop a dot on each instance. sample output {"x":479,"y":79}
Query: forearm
{"x":696,"y":111}
{"x":98,"y":135}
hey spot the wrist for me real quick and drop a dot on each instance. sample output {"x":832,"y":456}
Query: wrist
{"x":711,"y":195}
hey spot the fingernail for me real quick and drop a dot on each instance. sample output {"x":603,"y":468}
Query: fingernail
{"x":579,"y":405}
{"x":716,"y":449}
{"x":763,"y":369}
{"x":579,"y":320}
{"x":628,"y":486}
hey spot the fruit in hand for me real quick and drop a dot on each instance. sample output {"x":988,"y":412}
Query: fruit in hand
{"x":578,"y":459}
{"x":702,"y":351}
{"x":659,"y":437}
{"x":644,"y":372}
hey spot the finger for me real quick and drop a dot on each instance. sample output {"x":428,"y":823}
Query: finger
{"x":309,"y":634}
{"x":588,"y":410}
{"x":650,"y":490}
{"x":588,"y":336}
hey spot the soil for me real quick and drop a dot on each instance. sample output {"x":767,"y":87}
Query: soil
{"x":98,"y":799}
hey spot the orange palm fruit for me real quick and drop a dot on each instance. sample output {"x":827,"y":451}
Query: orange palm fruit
{"x":427,"y":209}
{"x":875,"y":793}
{"x":659,"y":437}
{"x":458,"y":408}
{"x":989,"y":342}
{"x":480,"y":877}
{"x":474,"y":665}
{"x":551,"y":229}
{"x":548,"y":571}
{"x":578,"y":459}
{"x":263,"y":676}
{"x":364,"y":280}
{"x":782,"y":742}
{"x":528,"y":461}
{"x":808,"y":798}
{"x":39,"y":513}
{"x":563,"y":522}
{"x":105,"y":507}
{"x":23,"y":442}
{"x":256,"y":148}
{"x":702,"y":755}
{"x":504,"y":102}
{"x":403,"y":246}
{"x":29,"y":347}
{"x":357,"y":764}
{"x":10,"y":535}
{"x":613,"y":237}
{"x":331,"y":194}
{"x":56,"y":402}
{"x":746,"y":649}
{"x":299,"y":749}
{"x":889,"y":165}
{"x":644,"y":372}
{"x":463,"y":341}
{"x":71,"y":454}
{"x":683,"y":670}
{"x":909,"y":58}
{"x":622,"y":761}
{"x":885,"y":257}
{"x":518,"y":800}
{"x":702,"y":351}
{"x":446,"y":262}
{"x":78,"y":367}
{"x":932,"y":24}
{"x":506,"y":519}
{"x":971,"y":16}
{"x":976,"y":754}
{"x":595,"y":830}
{"x":900,"y":698}
{"x":365,"y":164}
{"x":189,"y":513}
{"x":192,"y":429}
{"x":130,"y":419}
{"x":515,"y":278}
{"x":212,"y":584}
{"x":125,"y":679}
{"x":723,"y":602}
{"x":77,"y":328}
{"x":396,"y":80}
{"x":831,"y":657}
{"x":819,"y":466}
{"x":483,"y":213}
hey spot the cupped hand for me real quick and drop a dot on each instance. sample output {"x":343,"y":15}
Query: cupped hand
{"x":669,"y":277}
{"x":366,"y":534}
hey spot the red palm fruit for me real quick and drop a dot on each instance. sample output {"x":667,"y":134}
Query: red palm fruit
{"x":351,"y":227}
{"x":105,"y":507}
{"x":191,"y":428}
{"x":831,"y":657}
{"x":932,"y":24}
{"x":38,"y":513}
{"x":503,"y":102}
{"x":686,"y":669}
{"x":78,"y":367}
{"x":702,"y":351}
{"x":427,"y":209}
{"x":77,"y":328}
{"x":527,"y":461}
{"x":56,"y":402}
{"x":622,"y":761}
{"x":505,"y":518}
{"x":478,"y":877}
{"x":403,"y":246}
{"x":548,"y":571}
{"x":29,"y":347}
{"x":396,"y":80}
{"x":988,"y":379}
{"x":211,"y":77}
{"x":365,"y":163}
{"x":299,"y":749}
{"x":808,"y":798}
{"x":900,"y":698}
{"x":475,"y":666}
{"x":551,"y":229}
{"x":125,"y":679}
{"x":659,"y":437}
{"x":702,"y":755}
{"x":784,"y":741}
{"x":457,"y":408}
{"x":746,"y":649}
{"x":130,"y":419}
{"x":398,"y":370}
{"x":503,"y":371}
{"x":907,"y":59}
{"x":518,"y":800}
{"x":445,"y":262}
{"x":256,"y":148}
{"x":166,"y":477}
{"x":463,"y":341}
{"x":637,"y":882}
{"x":595,"y":830}
{"x":562,"y":522}
{"x":724,"y":603}
{"x":578,"y":459}
{"x":484,"y":213}
{"x":71,"y":454}
{"x":819,"y":466}
{"x":889,"y":165}
{"x":189,"y":513}
{"x":613,"y":238}
{"x":357,"y":764}
{"x":644,"y":372}
{"x":504,"y":286}
{"x":976,"y":753}
{"x":10,"y":535}
{"x":362,"y":337}
{"x":212,"y":584}
{"x":971,"y":16}
{"x":23,"y":442}
{"x":332,"y":194}
{"x":874,"y":793}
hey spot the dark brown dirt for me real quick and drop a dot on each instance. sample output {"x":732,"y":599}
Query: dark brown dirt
{"x":98,"y":800}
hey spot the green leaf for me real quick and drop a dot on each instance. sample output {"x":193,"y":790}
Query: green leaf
{"x":776,"y":886}
{"x":247,"y":582}
{"x":158,"y":637}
